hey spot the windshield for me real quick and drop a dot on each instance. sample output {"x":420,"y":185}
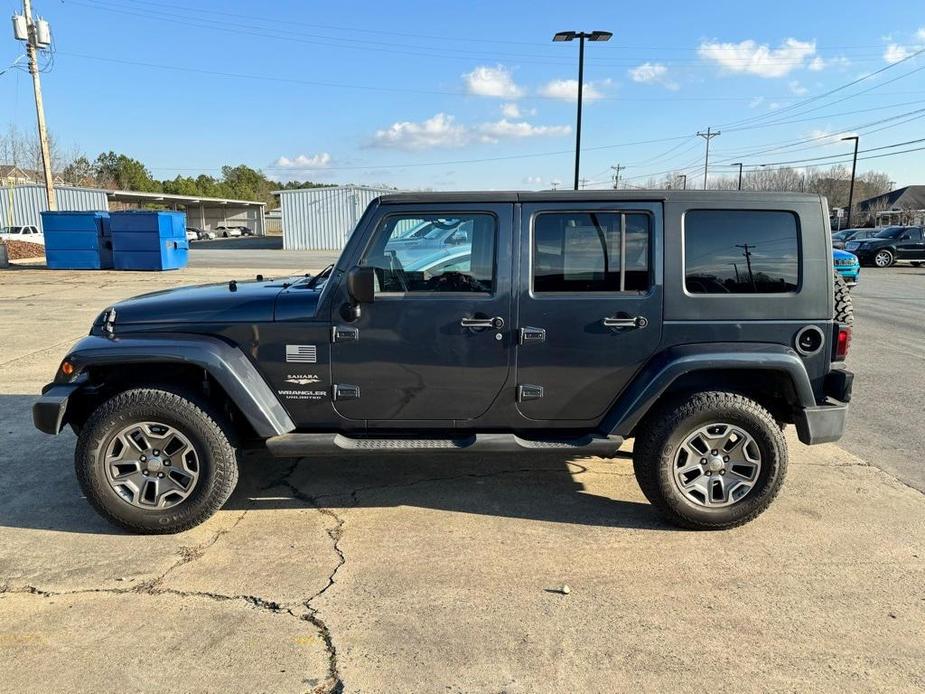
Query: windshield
{"x":10,"y":230}
{"x":890,"y":233}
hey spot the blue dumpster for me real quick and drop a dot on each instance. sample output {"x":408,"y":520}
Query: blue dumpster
{"x":149,"y":240}
{"x":77,"y":240}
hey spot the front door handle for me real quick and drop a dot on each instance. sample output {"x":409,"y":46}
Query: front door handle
{"x":629,"y":322}
{"x":497,"y":322}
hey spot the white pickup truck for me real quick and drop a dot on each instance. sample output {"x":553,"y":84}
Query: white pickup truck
{"x":22,"y":233}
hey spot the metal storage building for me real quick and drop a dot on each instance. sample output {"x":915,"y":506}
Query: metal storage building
{"x":24,"y":204}
{"x":323,"y":218}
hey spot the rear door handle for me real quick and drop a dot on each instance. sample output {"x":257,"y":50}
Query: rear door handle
{"x":497,"y":322}
{"x":630,"y":322}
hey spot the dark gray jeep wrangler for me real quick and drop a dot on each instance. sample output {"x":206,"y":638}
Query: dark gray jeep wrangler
{"x":698,"y":323}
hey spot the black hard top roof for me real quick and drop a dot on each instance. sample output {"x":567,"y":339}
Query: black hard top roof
{"x":698,"y":196}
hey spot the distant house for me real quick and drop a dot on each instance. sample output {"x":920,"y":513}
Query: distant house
{"x":901,"y":206}
{"x":14,"y":175}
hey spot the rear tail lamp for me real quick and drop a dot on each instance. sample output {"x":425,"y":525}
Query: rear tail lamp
{"x":842,"y":341}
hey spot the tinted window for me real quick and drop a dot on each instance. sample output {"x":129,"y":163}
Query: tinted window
{"x":434,"y":253}
{"x":740,"y":252}
{"x":585,"y":252}
{"x":889,"y":233}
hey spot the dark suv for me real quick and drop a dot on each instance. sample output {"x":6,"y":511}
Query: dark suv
{"x":699,"y":324}
{"x":889,"y":245}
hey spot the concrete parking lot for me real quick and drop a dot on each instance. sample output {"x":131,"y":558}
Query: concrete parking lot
{"x":432,"y":573}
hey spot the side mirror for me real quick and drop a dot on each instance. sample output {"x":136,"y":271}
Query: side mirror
{"x":361,"y":284}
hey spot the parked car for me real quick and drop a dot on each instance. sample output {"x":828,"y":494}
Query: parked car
{"x":889,"y":245}
{"x":226,"y":231}
{"x":839,"y":239}
{"x":541,"y":330}
{"x":246,"y":231}
{"x":192,"y":234}
{"x":22,"y":233}
{"x":205,"y":235}
{"x":847,"y":265}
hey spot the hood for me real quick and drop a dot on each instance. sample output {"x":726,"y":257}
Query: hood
{"x":843,"y":255}
{"x":228,"y":302}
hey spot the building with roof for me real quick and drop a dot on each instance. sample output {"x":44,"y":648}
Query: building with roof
{"x":901,"y":206}
{"x":23,"y":204}
{"x":323,"y":218}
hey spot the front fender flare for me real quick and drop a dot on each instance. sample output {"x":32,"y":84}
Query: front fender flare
{"x":233,"y":371}
{"x":658,"y":375}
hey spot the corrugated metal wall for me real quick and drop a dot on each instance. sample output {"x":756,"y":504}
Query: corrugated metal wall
{"x":24,"y":204}
{"x":323,"y":218}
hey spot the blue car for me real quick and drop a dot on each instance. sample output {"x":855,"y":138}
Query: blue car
{"x":847,"y":265}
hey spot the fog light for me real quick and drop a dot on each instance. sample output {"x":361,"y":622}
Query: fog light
{"x":67,"y":368}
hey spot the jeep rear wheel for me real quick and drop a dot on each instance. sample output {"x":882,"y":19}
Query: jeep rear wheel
{"x":154,"y":461}
{"x":710,"y":461}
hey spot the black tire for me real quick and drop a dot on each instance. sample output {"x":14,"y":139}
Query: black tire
{"x":662,"y":434}
{"x":218,"y":469}
{"x":888,"y":258}
{"x":844,"y":306}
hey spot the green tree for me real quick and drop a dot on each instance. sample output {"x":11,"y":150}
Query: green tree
{"x":125,"y":173}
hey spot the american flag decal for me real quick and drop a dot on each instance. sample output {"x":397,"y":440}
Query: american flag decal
{"x":301,"y":354}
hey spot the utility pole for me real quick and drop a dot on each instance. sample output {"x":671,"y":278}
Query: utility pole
{"x":748,"y":259}
{"x":739,"y":164}
{"x":708,"y":135}
{"x":683,"y":178}
{"x":583,"y":182}
{"x":37,"y":36}
{"x":854,"y":165}
{"x":616,"y":175}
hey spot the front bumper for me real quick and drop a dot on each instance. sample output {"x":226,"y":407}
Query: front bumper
{"x":826,"y":423}
{"x":50,"y":412}
{"x":850,"y":273}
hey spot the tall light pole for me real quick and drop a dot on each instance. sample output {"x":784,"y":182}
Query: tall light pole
{"x":37,"y":35}
{"x":708,"y":135}
{"x":854,"y":164}
{"x":581,"y":36}
{"x":739,"y":164}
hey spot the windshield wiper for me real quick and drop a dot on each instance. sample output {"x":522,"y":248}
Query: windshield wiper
{"x":320,"y":276}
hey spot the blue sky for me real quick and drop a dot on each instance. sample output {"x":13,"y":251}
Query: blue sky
{"x":475,"y":94}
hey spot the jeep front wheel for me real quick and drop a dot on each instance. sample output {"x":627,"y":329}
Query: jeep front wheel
{"x":710,"y":461}
{"x":153,"y":461}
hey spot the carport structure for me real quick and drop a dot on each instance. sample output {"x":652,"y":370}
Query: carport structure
{"x":201,"y":212}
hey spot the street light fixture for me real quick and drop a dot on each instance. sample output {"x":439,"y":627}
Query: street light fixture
{"x":581,"y":36}
{"x":854,"y":164}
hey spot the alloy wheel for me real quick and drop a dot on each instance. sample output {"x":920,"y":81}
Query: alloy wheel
{"x":152,"y":465}
{"x":717,"y":465}
{"x":883,"y":259}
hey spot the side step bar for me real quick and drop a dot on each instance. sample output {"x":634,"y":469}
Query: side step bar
{"x":297,"y":445}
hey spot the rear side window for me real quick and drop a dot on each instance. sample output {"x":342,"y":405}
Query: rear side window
{"x":590,"y":252}
{"x":741,"y":252}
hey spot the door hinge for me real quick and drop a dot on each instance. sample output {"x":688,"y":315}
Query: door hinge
{"x":529,"y":336}
{"x":529,"y":392}
{"x":344,"y":391}
{"x":344,"y":334}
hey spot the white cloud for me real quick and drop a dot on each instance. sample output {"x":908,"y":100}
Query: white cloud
{"x":920,"y":34}
{"x":302,"y":162}
{"x":655,"y":73}
{"x":895,"y":52}
{"x":828,"y":137}
{"x":492,"y":81}
{"x":505,"y":129}
{"x":756,"y":101}
{"x":533,"y":180}
{"x":817,"y":64}
{"x":442,"y":131}
{"x":759,"y":59}
{"x":512,"y":110}
{"x":567,"y":90}
{"x":797,"y":88}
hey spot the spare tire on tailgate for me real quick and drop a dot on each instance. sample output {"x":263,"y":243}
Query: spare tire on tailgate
{"x":844,"y":309}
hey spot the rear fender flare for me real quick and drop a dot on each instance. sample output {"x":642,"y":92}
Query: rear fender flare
{"x":231,"y":369}
{"x":659,"y":374}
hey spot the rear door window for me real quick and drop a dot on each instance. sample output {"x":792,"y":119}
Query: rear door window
{"x":741,"y":252}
